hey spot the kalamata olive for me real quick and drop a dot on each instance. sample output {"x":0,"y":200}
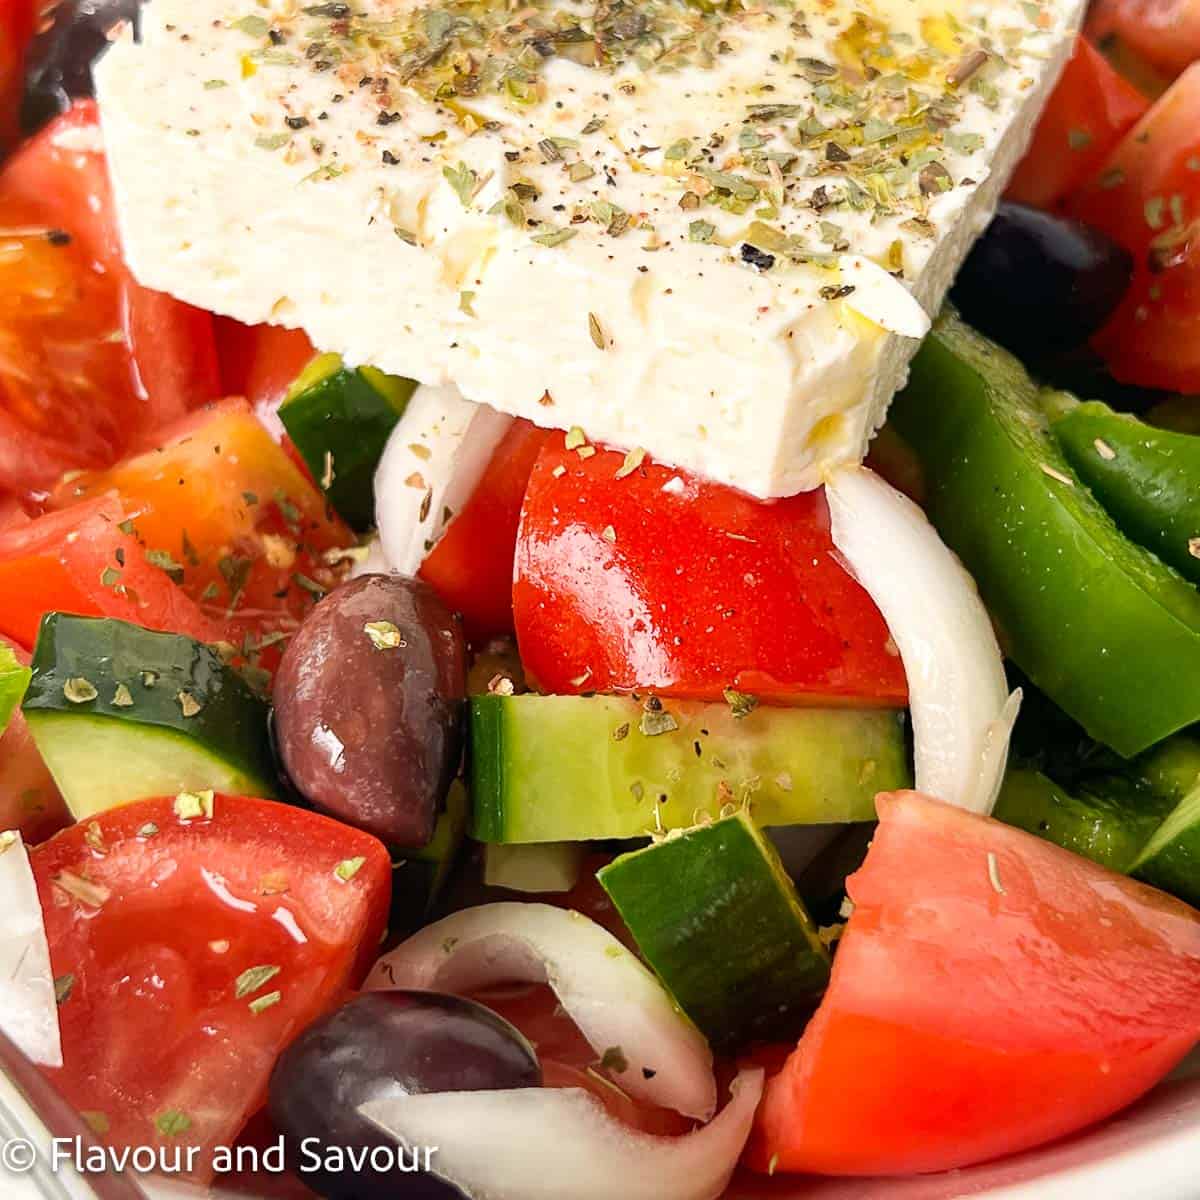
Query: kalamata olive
{"x":369,"y":702}
{"x":376,"y":1045}
{"x":1038,"y":283}
{"x":58,"y":67}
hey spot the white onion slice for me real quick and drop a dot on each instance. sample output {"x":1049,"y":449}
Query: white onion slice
{"x":605,"y":989}
{"x":560,"y":1144}
{"x":28,"y":1009}
{"x":880,"y":297}
{"x":958,"y":695}
{"x":430,"y":466}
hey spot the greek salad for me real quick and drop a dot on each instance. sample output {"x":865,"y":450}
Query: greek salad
{"x":598,"y":597}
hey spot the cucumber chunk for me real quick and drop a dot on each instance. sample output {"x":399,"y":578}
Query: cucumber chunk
{"x":340,"y":417}
{"x":714,"y":914}
{"x":575,"y":768}
{"x":120,"y":713}
{"x":536,"y":868}
{"x":14,"y":679}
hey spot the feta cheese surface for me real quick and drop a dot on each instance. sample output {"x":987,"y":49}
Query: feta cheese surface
{"x":709,"y":230}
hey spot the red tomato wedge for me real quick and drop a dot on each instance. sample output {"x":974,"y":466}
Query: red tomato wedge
{"x":1088,"y":112}
{"x":1163,"y":33}
{"x":1147,"y":197}
{"x":260,"y":362}
{"x":241,"y":529}
{"x":193,"y":951}
{"x":991,"y":992}
{"x":652,"y":578}
{"x":569,"y":1061}
{"x":88,"y":358}
{"x":29,"y":800}
{"x":471,"y":567}
{"x":17,"y":18}
{"x":89,"y":561}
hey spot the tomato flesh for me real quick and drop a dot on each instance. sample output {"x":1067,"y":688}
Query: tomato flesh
{"x":1089,"y":110}
{"x":991,"y":992}
{"x":84,"y":562}
{"x":1147,"y":197}
{"x":471,"y":567}
{"x":16,"y":28}
{"x":244,"y":531}
{"x":154,"y":920}
{"x":260,"y":362}
{"x":659,"y":579}
{"x":88,"y":358}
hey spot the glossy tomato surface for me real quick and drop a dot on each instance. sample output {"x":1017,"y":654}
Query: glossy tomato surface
{"x":189,"y":952}
{"x":652,"y":578}
{"x":991,"y":992}
{"x":1089,"y":110}
{"x":236,"y":524}
{"x":1147,"y":197}
{"x":88,"y":358}
{"x":471,"y":567}
{"x":90,"y":561}
{"x":1163,"y":33}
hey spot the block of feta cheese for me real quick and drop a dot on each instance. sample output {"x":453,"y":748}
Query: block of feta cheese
{"x":710,"y":230}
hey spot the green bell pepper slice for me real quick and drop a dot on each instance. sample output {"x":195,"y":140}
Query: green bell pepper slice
{"x":1103,"y":627}
{"x":1147,"y":478}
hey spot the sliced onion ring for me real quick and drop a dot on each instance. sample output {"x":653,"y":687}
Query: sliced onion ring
{"x":958,"y":696}
{"x":655,"y":1053}
{"x":560,"y":1144}
{"x":432,"y":462}
{"x":28,"y":1008}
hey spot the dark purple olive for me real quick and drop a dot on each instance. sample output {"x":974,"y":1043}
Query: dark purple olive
{"x":369,"y":703}
{"x":376,"y":1045}
{"x":58,"y":68}
{"x":1041,"y":284}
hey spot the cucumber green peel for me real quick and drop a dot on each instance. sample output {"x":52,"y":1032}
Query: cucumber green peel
{"x":120,"y":713}
{"x":1108,"y":631}
{"x":340,"y":419}
{"x":716,"y":916}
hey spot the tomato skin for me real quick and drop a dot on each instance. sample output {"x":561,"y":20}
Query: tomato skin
{"x":153,"y":1023}
{"x":29,"y":799}
{"x":82,"y":562}
{"x":991,"y":992}
{"x":88,"y":357}
{"x":1147,"y":197}
{"x":16,"y":29}
{"x":260,"y":362}
{"x":237,"y":516}
{"x":1091,"y":101}
{"x":471,"y":567}
{"x":1163,"y":33}
{"x":703,"y":588}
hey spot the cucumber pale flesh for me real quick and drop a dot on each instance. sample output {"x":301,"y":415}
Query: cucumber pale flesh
{"x":575,"y":768}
